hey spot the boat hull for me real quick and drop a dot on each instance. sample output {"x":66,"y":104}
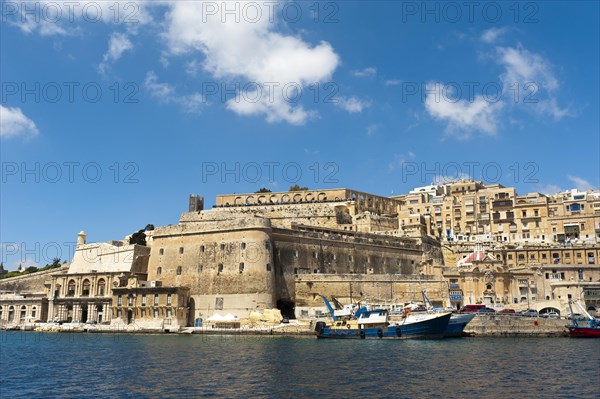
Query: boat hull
{"x":584,"y":332}
{"x":457,"y":324}
{"x":433,"y":328}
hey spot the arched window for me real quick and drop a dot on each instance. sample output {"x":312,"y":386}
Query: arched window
{"x":71,"y":288}
{"x":23,"y":313}
{"x":158,"y":271}
{"x":179,"y":270}
{"x":101,"y":287}
{"x":1,"y":312}
{"x":85,"y":290}
{"x":11,"y":313}
{"x":34,"y":312}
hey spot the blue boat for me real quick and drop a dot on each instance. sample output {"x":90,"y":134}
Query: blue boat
{"x":375,"y":324}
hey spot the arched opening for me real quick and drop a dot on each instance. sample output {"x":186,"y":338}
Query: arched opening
{"x":69,"y":310}
{"x":23,"y":314}
{"x":84,"y":313}
{"x":192,"y":313}
{"x":129,"y":316}
{"x":548,"y":310}
{"x":1,"y":313}
{"x":11,"y":313}
{"x":101,"y":287}
{"x":287,"y":308}
{"x":71,"y":288}
{"x":99,"y":312}
{"x":85,"y":288}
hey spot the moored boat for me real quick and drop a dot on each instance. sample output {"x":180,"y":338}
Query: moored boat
{"x":376,"y":324}
{"x":592,"y":330}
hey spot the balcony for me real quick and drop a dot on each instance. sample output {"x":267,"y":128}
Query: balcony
{"x":504,"y":203}
{"x":454,"y":285}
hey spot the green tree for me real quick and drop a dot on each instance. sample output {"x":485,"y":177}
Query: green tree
{"x":263,"y":190}
{"x":138,"y":238}
{"x":296,"y":187}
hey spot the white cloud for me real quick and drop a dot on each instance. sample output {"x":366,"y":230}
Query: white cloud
{"x":532,"y":75}
{"x":462,"y":116}
{"x":548,"y":189}
{"x":351,"y":104}
{"x":393,"y":82}
{"x":367,"y":72}
{"x":400,"y":161}
{"x":14,"y":123}
{"x":492,"y":34}
{"x":117,"y":45}
{"x":166,"y":93}
{"x":373,"y":129}
{"x":52,"y":18}
{"x":253,"y":52}
{"x":580,"y":183}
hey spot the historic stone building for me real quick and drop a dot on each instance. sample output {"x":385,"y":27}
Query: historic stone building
{"x":83,"y":293}
{"x":472,"y":211}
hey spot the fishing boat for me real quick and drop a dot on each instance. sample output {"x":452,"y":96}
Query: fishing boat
{"x":458,"y":321}
{"x":592,"y":330}
{"x":376,"y":324}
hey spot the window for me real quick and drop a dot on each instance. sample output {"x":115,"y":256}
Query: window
{"x":168,"y":313}
{"x":241,"y":267}
{"x":169,"y":300}
{"x":130,"y":300}
{"x":179,"y":270}
{"x":101,"y":286}
{"x":200,"y":268}
{"x":158,"y":271}
{"x":524,"y":213}
{"x":222,"y":246}
{"x":201,"y":248}
{"x":544,"y":256}
{"x":143,"y":299}
{"x":161,"y":251}
{"x":119,"y":300}
{"x":220,"y":268}
{"x":180,"y":250}
{"x":315,"y":255}
{"x":268,"y":267}
{"x":567,"y":255}
{"x":510,"y":256}
{"x":156,"y":313}
{"x":155,"y":299}
{"x":85,"y":291}
{"x":71,"y":288}
{"x":243,"y":245}
{"x":521,"y":257}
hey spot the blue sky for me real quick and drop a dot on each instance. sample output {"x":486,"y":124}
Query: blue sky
{"x":114,"y":112}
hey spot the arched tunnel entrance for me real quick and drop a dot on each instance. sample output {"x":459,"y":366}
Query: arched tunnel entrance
{"x":287,"y":308}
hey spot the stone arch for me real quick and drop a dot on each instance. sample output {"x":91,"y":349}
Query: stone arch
{"x":285,"y":198}
{"x":274,"y":199}
{"x":238,"y":201}
{"x":262,"y":199}
{"x":297,"y":198}
{"x":322,"y":197}
{"x":549,"y":309}
{"x":101,"y":287}
{"x":309,"y":197}
{"x":250,"y":200}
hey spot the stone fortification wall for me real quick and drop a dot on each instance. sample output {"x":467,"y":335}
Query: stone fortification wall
{"x":33,"y":282}
{"x":373,"y":289}
{"x":227,"y":264}
{"x":306,"y":250}
{"x":332,"y":215}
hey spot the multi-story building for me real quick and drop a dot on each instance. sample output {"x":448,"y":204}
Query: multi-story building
{"x":473,"y":211}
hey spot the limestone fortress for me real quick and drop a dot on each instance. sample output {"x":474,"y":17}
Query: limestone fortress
{"x":259,"y":251}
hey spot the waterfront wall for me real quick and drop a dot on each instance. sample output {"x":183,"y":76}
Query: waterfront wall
{"x":510,"y":325}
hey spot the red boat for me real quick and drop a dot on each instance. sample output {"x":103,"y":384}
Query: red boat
{"x":592,"y":330}
{"x":584,"y":332}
